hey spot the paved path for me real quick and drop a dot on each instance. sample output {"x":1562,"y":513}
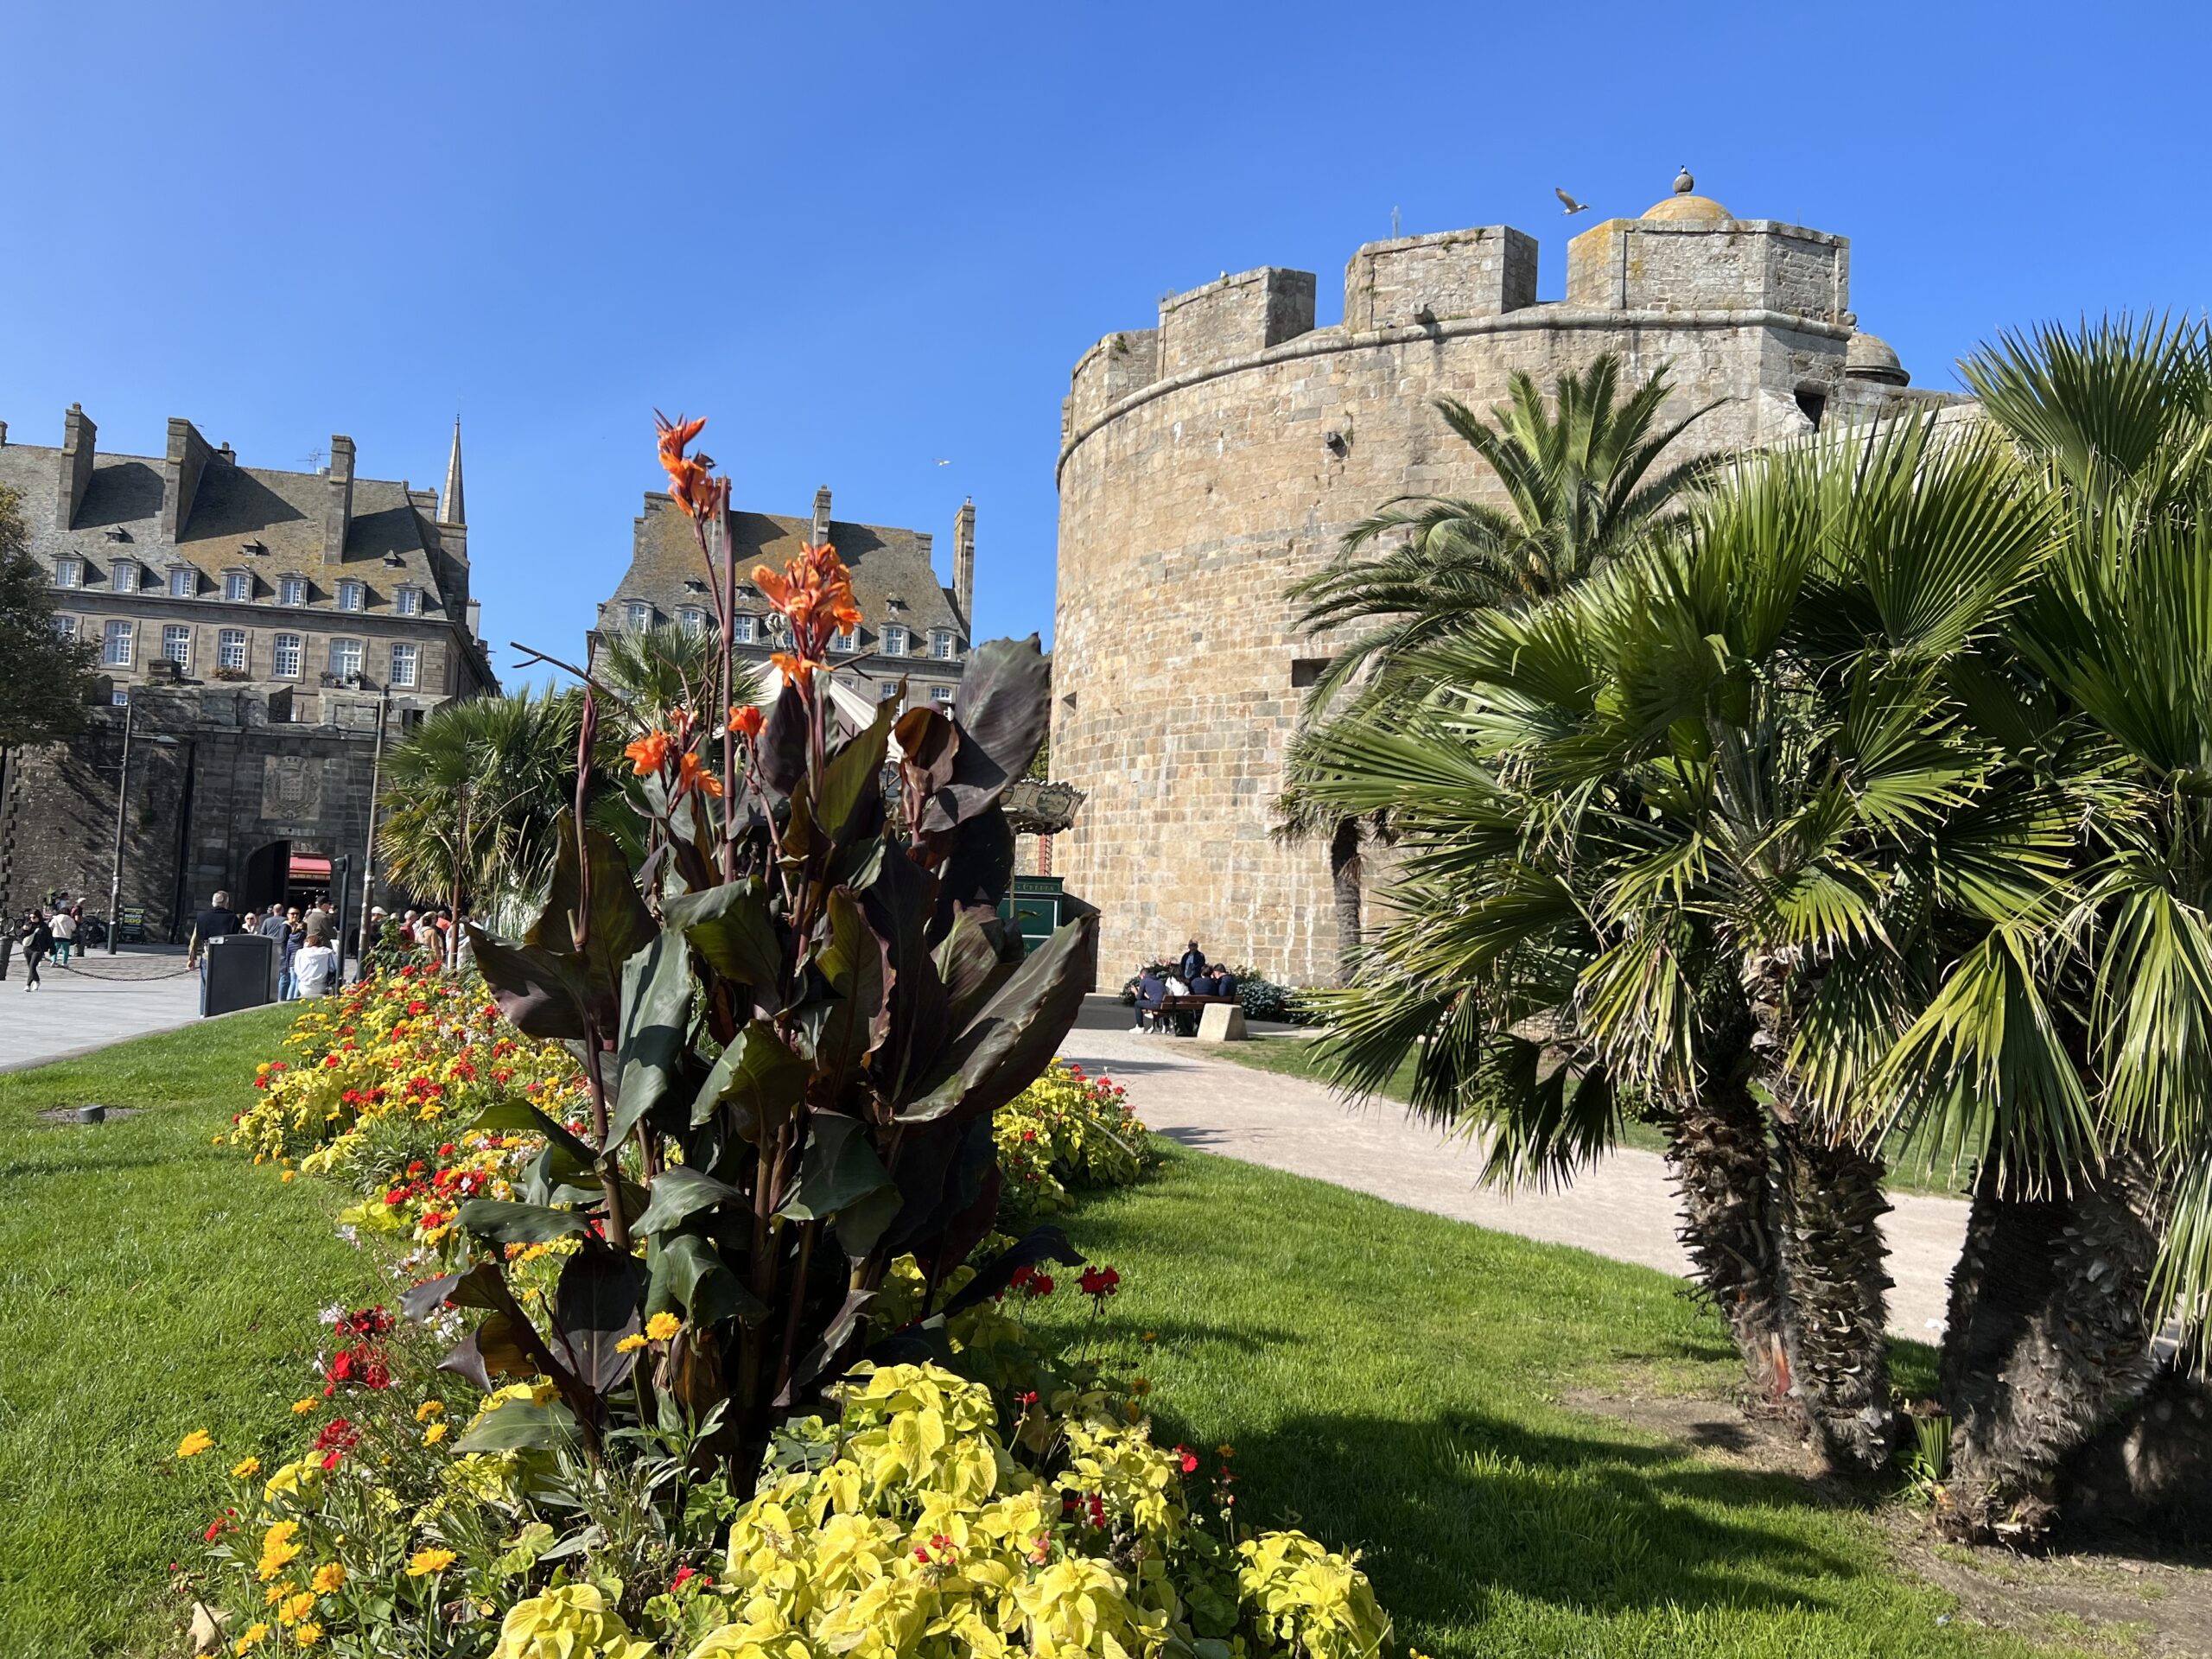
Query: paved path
{"x":96,"y":1000}
{"x":1624,"y":1208}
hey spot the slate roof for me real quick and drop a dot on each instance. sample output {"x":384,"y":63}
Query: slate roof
{"x":893,"y":577}
{"x":233,"y":505}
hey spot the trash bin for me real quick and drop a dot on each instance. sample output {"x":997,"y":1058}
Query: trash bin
{"x":239,"y":971}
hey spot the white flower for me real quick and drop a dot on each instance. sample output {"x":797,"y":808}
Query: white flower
{"x":332,"y":1314}
{"x":351,"y":1234}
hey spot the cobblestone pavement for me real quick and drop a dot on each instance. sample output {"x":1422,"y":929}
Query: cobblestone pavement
{"x":1624,"y":1208}
{"x":96,"y":1000}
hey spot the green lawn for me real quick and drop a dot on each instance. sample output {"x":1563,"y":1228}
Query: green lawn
{"x":149,"y":1284}
{"x":1911,"y":1169}
{"x":1386,"y":1376}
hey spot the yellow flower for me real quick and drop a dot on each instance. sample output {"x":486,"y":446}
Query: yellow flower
{"x":629,"y":1344}
{"x":277,"y":1549}
{"x":434,"y":1433}
{"x":1141,"y":1386}
{"x":194,"y":1443}
{"x":289,"y":1174}
{"x":295,"y":1608}
{"x":428,"y":1410}
{"x":256,"y":1634}
{"x":329,"y":1577}
{"x":277,"y":1591}
{"x":308,"y":1634}
{"x":424,"y":1562}
{"x":301,"y":1407}
{"x":662,"y":1326}
{"x":247,"y":1469}
{"x":1226,"y":1451}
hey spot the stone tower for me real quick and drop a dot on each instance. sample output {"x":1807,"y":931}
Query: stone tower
{"x":1209,"y":461}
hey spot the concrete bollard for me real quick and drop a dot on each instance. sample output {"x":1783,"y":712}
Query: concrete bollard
{"x":1222,"y":1022}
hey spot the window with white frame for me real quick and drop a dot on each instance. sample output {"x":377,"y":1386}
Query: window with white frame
{"x":346,"y":658}
{"x":287,"y":655}
{"x":640,"y":615}
{"x":403,"y":665}
{"x":230,"y":648}
{"x":692,"y":620}
{"x":176,"y":644}
{"x":942,"y":694}
{"x":122,"y":576}
{"x":941,"y":642}
{"x":848,"y":639}
{"x":886,"y":691}
{"x":743,"y":630}
{"x":69,"y":573}
{"x":237,"y":584}
{"x":351,"y":596}
{"x":117,"y":638}
{"x":894,"y":640}
{"x":292,"y":590}
{"x":408,"y":601}
{"x":65,"y":626}
{"x":184,"y":582}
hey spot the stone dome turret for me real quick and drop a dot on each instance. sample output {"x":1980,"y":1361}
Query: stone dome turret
{"x":1868,"y":357}
{"x":1686,"y":204}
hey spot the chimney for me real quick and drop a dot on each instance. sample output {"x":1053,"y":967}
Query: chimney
{"x":963,"y":563}
{"x":820,"y":516}
{"x":3,"y":435}
{"x":181,"y":471}
{"x":338,"y":505}
{"x":78,"y":435}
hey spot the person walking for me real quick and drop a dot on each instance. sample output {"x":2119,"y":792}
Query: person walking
{"x":6,"y":947}
{"x":213,"y":923}
{"x":291,"y":935}
{"x":38,"y":939}
{"x":63,"y":926}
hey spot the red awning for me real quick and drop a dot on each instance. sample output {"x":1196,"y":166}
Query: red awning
{"x":305,"y":868}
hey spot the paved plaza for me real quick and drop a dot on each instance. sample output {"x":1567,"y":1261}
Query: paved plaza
{"x":96,"y":1000}
{"x":1624,"y":1208}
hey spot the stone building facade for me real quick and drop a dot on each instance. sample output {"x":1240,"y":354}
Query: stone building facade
{"x":1208,"y":463}
{"x":258,"y":628}
{"x":913,"y":629}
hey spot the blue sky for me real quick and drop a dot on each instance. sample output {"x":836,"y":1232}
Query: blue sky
{"x":863,"y":239}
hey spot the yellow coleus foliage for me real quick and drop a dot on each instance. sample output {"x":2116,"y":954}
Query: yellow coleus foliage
{"x":571,"y":1621}
{"x":920,"y":1536}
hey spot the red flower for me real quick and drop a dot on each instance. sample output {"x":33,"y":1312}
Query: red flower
{"x":1023,"y":1276}
{"x":338,"y":1435}
{"x":1101,"y":1282}
{"x":684,"y":1574}
{"x":1188,"y":1458}
{"x":1097,"y":1510}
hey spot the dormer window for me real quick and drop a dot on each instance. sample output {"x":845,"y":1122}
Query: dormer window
{"x":848,"y":639}
{"x":941,"y":643}
{"x":408,"y":601}
{"x":894,"y":640}
{"x":69,"y":573}
{"x":291,"y":590}
{"x":254,"y":548}
{"x":640,"y":615}
{"x":122,"y":576}
{"x":741,"y":630}
{"x":184,"y":582}
{"x":116,"y":533}
{"x":692,"y":620}
{"x":237,"y":585}
{"x":351,"y":596}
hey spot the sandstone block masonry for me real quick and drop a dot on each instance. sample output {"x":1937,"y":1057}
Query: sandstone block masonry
{"x":1208,"y":463}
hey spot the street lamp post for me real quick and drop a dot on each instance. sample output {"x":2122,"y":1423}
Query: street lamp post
{"x":122,"y":800}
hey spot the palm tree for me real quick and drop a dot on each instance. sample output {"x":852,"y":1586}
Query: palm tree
{"x":1673,"y":835}
{"x":2067,"y":1053}
{"x":1582,"y":483}
{"x":472,"y":796}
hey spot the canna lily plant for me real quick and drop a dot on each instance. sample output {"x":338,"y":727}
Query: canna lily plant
{"x":796,"y":1017}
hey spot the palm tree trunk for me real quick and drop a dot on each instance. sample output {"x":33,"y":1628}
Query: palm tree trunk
{"x":1829,"y":1203}
{"x":2047,"y":1342}
{"x":1345,"y":883}
{"x":1718,"y":1151}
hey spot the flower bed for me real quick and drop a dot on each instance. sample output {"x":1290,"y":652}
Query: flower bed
{"x":976,"y":1488}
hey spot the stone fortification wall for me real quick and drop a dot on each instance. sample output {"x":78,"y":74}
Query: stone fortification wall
{"x":1208,"y":463}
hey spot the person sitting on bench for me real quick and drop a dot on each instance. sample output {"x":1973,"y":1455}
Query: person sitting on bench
{"x":1152,"y":992}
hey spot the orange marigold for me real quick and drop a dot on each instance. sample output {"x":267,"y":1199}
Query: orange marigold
{"x":650,"y":752}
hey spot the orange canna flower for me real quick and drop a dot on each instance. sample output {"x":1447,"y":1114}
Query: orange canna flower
{"x":796,"y":670}
{"x":690,"y":478}
{"x":691,"y":772}
{"x":747,"y":721}
{"x":649,"y":752}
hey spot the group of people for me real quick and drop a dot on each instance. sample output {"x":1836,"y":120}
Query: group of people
{"x":305,"y":941}
{"x":43,"y":931}
{"x":1191,"y":977}
{"x":431,"y":933}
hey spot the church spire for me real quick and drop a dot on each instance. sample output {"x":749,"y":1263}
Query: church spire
{"x":450,"y":511}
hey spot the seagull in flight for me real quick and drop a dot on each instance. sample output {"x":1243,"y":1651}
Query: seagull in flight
{"x":1569,"y":202}
{"x":945,"y":463}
